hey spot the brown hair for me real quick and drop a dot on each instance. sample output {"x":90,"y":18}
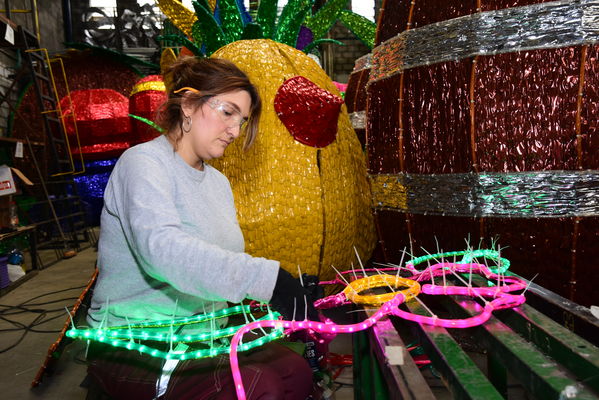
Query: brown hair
{"x":211,"y":77}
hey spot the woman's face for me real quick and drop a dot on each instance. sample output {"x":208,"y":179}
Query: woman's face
{"x":217,"y":123}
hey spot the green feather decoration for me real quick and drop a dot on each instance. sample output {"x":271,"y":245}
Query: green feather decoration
{"x":196,"y":33}
{"x":230,"y":16}
{"x":291,"y":20}
{"x":204,"y":3}
{"x":267,"y":17}
{"x":296,"y":13}
{"x":252,"y":31}
{"x":212,"y":35}
{"x":325,"y":17}
{"x":364,"y":29}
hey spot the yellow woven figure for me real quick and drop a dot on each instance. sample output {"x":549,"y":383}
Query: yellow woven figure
{"x":297,"y":204}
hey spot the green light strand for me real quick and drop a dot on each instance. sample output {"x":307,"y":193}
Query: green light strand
{"x":133,"y":333}
{"x":468,"y":256}
{"x":123,"y":336}
{"x":225,"y":312}
{"x":194,"y":354}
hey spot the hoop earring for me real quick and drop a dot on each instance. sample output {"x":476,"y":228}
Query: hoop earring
{"x":186,"y":124}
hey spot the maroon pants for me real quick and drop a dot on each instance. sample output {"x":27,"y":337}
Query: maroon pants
{"x":269,"y":372}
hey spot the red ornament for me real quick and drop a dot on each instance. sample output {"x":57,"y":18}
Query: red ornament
{"x":309,"y":112}
{"x":102,"y":119}
{"x":146,"y":97}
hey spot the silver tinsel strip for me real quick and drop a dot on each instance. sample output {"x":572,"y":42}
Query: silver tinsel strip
{"x":519,"y":194}
{"x":538,"y":26}
{"x":358,"y":119}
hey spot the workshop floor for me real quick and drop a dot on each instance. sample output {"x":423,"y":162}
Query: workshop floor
{"x":57,"y":286}
{"x":47,"y":293}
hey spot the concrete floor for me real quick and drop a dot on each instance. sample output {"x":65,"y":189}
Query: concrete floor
{"x":20,"y":364}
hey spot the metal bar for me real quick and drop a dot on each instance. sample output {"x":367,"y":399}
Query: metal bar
{"x":497,"y":374}
{"x":7,"y":9}
{"x":71,"y":114}
{"x":465,"y":379}
{"x":15,"y":140}
{"x":58,"y":110}
{"x":538,"y":373}
{"x":570,"y":350}
{"x":67,"y":20}
{"x":16,"y":11}
{"x":36,"y":19}
{"x":405,"y":380}
{"x":574,"y":317}
{"x":361,"y":367}
{"x":62,"y":217}
{"x":379,"y":389}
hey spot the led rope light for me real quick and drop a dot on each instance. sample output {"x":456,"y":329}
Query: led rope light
{"x":352,"y":291}
{"x":291,"y":326}
{"x":501,"y":300}
{"x":509,"y":283}
{"x":468,"y":256}
{"x":195,"y":319}
{"x":194,"y":354}
{"x":123,"y":336}
{"x":134,"y":333}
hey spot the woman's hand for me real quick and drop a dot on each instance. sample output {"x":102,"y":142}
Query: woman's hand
{"x":290,"y":295}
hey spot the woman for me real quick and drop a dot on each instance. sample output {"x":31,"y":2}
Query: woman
{"x":170,"y":246}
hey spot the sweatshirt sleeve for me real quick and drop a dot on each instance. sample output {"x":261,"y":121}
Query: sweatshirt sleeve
{"x":140,"y":196}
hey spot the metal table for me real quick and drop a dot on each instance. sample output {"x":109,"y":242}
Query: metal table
{"x":544,"y":349}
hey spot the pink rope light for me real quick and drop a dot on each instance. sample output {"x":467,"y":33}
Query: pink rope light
{"x":292,"y":326}
{"x":501,"y":299}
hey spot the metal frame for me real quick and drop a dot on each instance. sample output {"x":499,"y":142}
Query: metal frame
{"x":530,"y":344}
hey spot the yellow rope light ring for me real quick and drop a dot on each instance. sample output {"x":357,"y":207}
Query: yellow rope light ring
{"x":352,"y":291}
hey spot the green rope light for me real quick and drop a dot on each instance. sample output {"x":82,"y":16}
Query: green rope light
{"x":467,"y":257}
{"x":194,"y":354}
{"x":123,"y":336}
{"x":195,"y":319}
{"x":134,"y":333}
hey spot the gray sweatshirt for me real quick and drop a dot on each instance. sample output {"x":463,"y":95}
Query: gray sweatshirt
{"x":170,"y":243}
